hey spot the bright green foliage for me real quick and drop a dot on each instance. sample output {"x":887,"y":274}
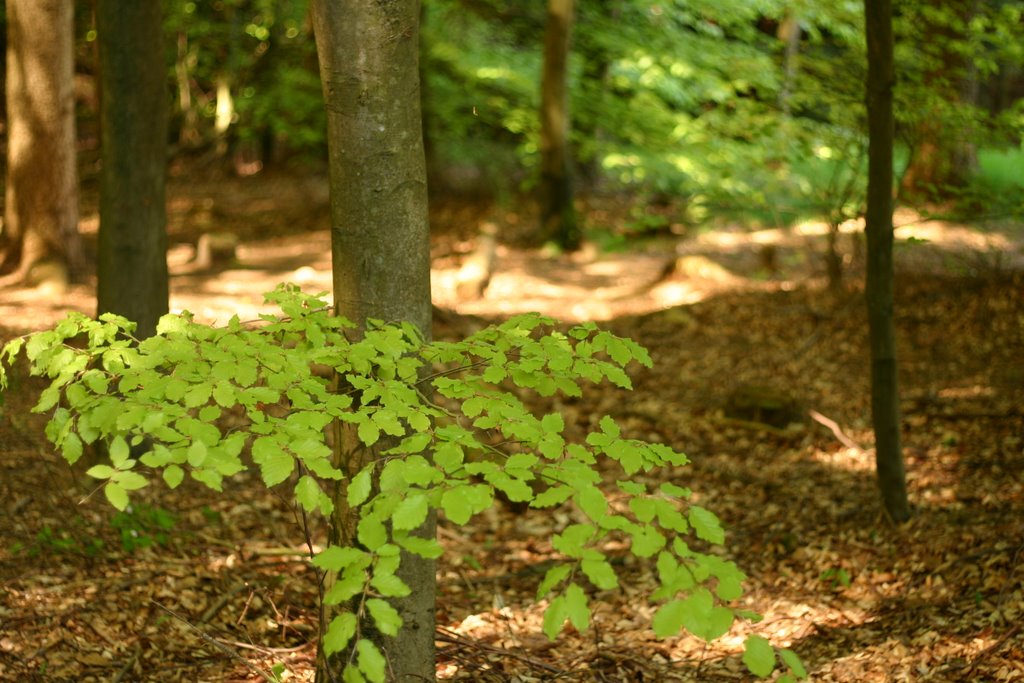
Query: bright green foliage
{"x":212,"y":402}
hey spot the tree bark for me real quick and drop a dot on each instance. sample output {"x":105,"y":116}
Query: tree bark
{"x":132,"y":257}
{"x":885,"y":408}
{"x":943,"y":155}
{"x":557,"y":215}
{"x":41,"y":210}
{"x":369,"y":56}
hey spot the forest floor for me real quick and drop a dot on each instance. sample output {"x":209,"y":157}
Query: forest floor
{"x":192,"y":586}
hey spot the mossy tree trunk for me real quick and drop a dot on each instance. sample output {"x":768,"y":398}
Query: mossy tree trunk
{"x":368,"y":56}
{"x":41,"y":209}
{"x":557,"y":216}
{"x":885,"y":408}
{"x":132,"y":256}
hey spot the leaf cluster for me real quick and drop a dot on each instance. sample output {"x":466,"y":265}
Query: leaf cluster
{"x":447,"y":430}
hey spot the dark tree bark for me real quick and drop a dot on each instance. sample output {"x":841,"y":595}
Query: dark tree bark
{"x":132,"y":257}
{"x":557,"y":215}
{"x":885,"y":407}
{"x":40,"y":233}
{"x":380,"y":243}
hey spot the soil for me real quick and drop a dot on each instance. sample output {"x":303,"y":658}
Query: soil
{"x":194,"y":586}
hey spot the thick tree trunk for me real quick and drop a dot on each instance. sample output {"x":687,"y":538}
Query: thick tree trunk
{"x":132,"y":258}
{"x":380,"y":240}
{"x":41,"y":211}
{"x":557,"y":215}
{"x":885,"y":407}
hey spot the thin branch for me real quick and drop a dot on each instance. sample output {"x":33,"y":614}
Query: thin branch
{"x":217,"y":644}
{"x":837,"y":431}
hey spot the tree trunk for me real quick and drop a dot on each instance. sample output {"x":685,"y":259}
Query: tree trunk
{"x":943,"y":155}
{"x":368,"y":56}
{"x":557,"y":215}
{"x":41,"y":211}
{"x":132,"y":258}
{"x":885,"y":407}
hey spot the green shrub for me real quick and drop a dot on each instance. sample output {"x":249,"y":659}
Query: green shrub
{"x":448,"y":425}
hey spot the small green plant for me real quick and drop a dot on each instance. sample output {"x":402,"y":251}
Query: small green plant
{"x":448,"y":425}
{"x":836,"y":577}
{"x":141,"y":526}
{"x":50,"y":541}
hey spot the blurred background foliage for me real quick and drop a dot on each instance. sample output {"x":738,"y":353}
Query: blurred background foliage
{"x":749,"y":109}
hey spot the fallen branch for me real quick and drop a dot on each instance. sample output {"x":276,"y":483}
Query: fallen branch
{"x":836,"y":430}
{"x":446,"y":635}
{"x":217,"y":644}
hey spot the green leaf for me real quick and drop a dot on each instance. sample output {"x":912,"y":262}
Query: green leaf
{"x":371,"y":532}
{"x":47,"y":399}
{"x":456,"y":505}
{"x":71,"y":448}
{"x":643,"y":508}
{"x":368,"y":432}
{"x":119,"y":451}
{"x":552,"y":496}
{"x":339,"y":632}
{"x":390,"y":586}
{"x":224,"y":394}
{"x":386,"y":617}
{"x":276,"y":468}
{"x":600,"y":573}
{"x":706,"y":524}
{"x":116,"y":495}
{"x":371,"y":661}
{"x":593,"y":503}
{"x":759,"y":656}
{"x":552,"y":578}
{"x":554,"y":616}
{"x":571,"y":541}
{"x":351,"y":674}
{"x":196,"y":454}
{"x":130,"y":481}
{"x":307,"y":492}
{"x":424,"y":547}
{"x":668,"y":620}
{"x":793,"y":662}
{"x":360,"y":486}
{"x":646,"y":541}
{"x":335,"y":558}
{"x":577,"y":607}
{"x":346,"y":587}
{"x":198,"y":395}
{"x":100,"y":471}
{"x":410,"y":513}
{"x":173,"y":476}
{"x":552,"y":422}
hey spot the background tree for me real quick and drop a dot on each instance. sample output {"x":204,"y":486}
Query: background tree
{"x":380,"y":244}
{"x":885,"y":406}
{"x":41,"y":209}
{"x":557,"y":214}
{"x":132,"y":256}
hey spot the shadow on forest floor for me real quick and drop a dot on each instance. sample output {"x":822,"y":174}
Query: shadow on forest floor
{"x":938,"y":599}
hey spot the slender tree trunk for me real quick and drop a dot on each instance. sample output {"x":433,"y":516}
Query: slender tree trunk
{"x":885,"y":407}
{"x":132,"y":258}
{"x":789,"y":32}
{"x":557,"y":215}
{"x":41,"y":210}
{"x":380,"y":243}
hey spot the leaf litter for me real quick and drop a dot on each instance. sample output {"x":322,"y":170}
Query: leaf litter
{"x":226,"y":594}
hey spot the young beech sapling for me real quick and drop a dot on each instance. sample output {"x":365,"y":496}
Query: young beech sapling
{"x":199,"y":398}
